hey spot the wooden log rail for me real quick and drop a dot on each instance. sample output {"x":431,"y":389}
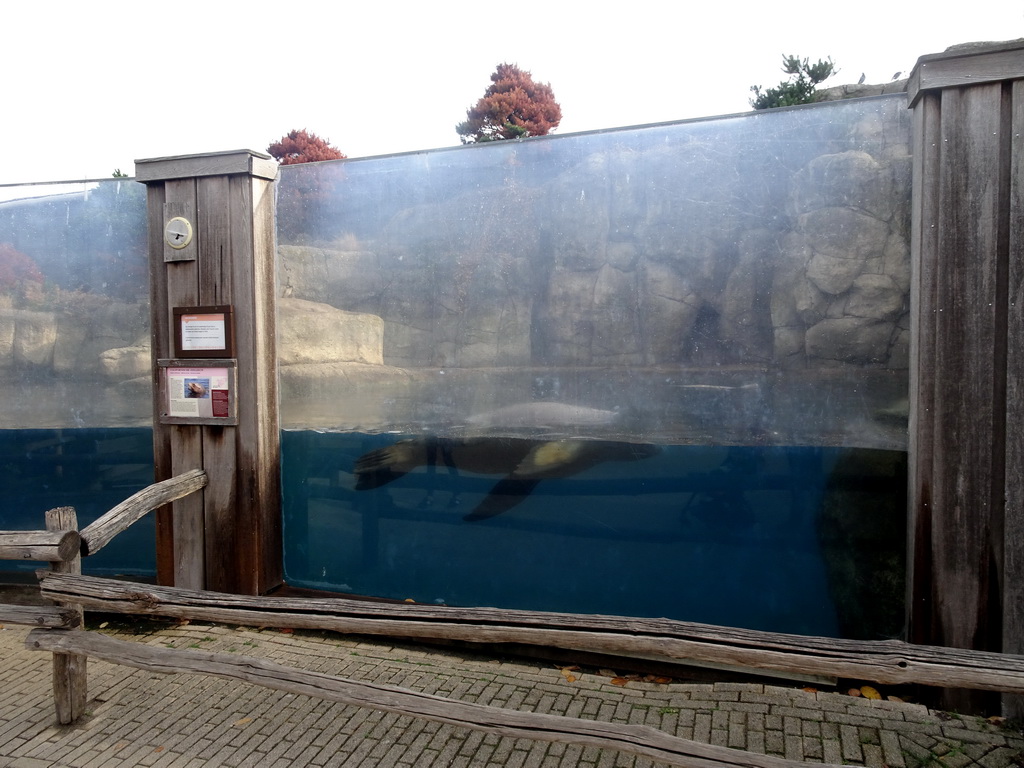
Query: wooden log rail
{"x":889,"y":661}
{"x":633,"y":739}
{"x":53,"y":546}
{"x":40,"y":616}
{"x":63,"y":546}
{"x":100,"y":533}
{"x":60,"y":544}
{"x":56,"y":546}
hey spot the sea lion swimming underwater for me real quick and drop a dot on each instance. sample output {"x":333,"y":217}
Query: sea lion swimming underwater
{"x":524,"y":462}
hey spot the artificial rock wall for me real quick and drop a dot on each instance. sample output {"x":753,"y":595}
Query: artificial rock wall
{"x":702,"y":252}
{"x":729,"y":251}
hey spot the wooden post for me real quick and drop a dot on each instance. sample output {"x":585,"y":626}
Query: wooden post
{"x":966,"y":516}
{"x":70,"y":678}
{"x":228,"y":537}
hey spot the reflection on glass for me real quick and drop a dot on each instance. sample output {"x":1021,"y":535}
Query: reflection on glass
{"x":731,"y":292}
{"x":75,"y":359}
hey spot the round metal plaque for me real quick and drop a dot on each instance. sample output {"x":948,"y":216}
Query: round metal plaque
{"x":178,"y":232}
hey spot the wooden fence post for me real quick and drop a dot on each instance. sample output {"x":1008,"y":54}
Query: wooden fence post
{"x":70,"y":678}
{"x":211,"y":243}
{"x":966,"y":511}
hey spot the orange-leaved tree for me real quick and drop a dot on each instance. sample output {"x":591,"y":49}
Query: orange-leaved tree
{"x":19,"y":274}
{"x":303,"y":147}
{"x":512,"y":107}
{"x":304,"y":197}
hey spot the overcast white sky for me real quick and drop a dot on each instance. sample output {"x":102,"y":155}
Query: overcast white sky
{"x":92,"y":86}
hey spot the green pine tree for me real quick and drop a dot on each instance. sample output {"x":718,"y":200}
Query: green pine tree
{"x":799,"y":88}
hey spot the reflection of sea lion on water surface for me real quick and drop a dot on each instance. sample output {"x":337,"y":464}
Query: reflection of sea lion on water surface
{"x":543,"y":415}
{"x":524,"y":462}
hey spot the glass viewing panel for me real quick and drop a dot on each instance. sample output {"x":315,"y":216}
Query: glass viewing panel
{"x":76,"y":425}
{"x":658,"y":371}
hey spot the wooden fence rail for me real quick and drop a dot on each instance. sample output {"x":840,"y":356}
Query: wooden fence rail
{"x":53,"y":546}
{"x":885,"y":662}
{"x":63,"y":546}
{"x":99,"y":533}
{"x":57,"y":546}
{"x":634,"y":739}
{"x":71,"y":591}
{"x":888,"y":661}
{"x":39,"y":616}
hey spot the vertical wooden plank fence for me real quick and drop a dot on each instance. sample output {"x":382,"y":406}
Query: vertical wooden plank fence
{"x":966,"y":483}
{"x":1013,"y":573}
{"x":229,"y":536}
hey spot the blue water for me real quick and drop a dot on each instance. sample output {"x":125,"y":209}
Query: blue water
{"x":91,"y":470}
{"x":803,"y":540}
{"x":723,"y":535}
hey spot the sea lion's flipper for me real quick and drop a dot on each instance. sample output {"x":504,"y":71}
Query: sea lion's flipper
{"x":555,"y":458}
{"x":506,"y":494}
{"x":374,"y":474}
{"x":381,"y":466}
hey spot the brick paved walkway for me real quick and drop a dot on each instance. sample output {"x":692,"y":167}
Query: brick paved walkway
{"x":186,"y":721}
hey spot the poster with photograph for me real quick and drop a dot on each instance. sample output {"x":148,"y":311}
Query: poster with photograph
{"x":198,"y":393}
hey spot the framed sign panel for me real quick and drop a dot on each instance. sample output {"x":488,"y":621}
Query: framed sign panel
{"x":198,"y":392}
{"x":203,"y":332}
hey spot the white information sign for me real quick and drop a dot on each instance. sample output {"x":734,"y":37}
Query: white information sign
{"x":203,"y":332}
